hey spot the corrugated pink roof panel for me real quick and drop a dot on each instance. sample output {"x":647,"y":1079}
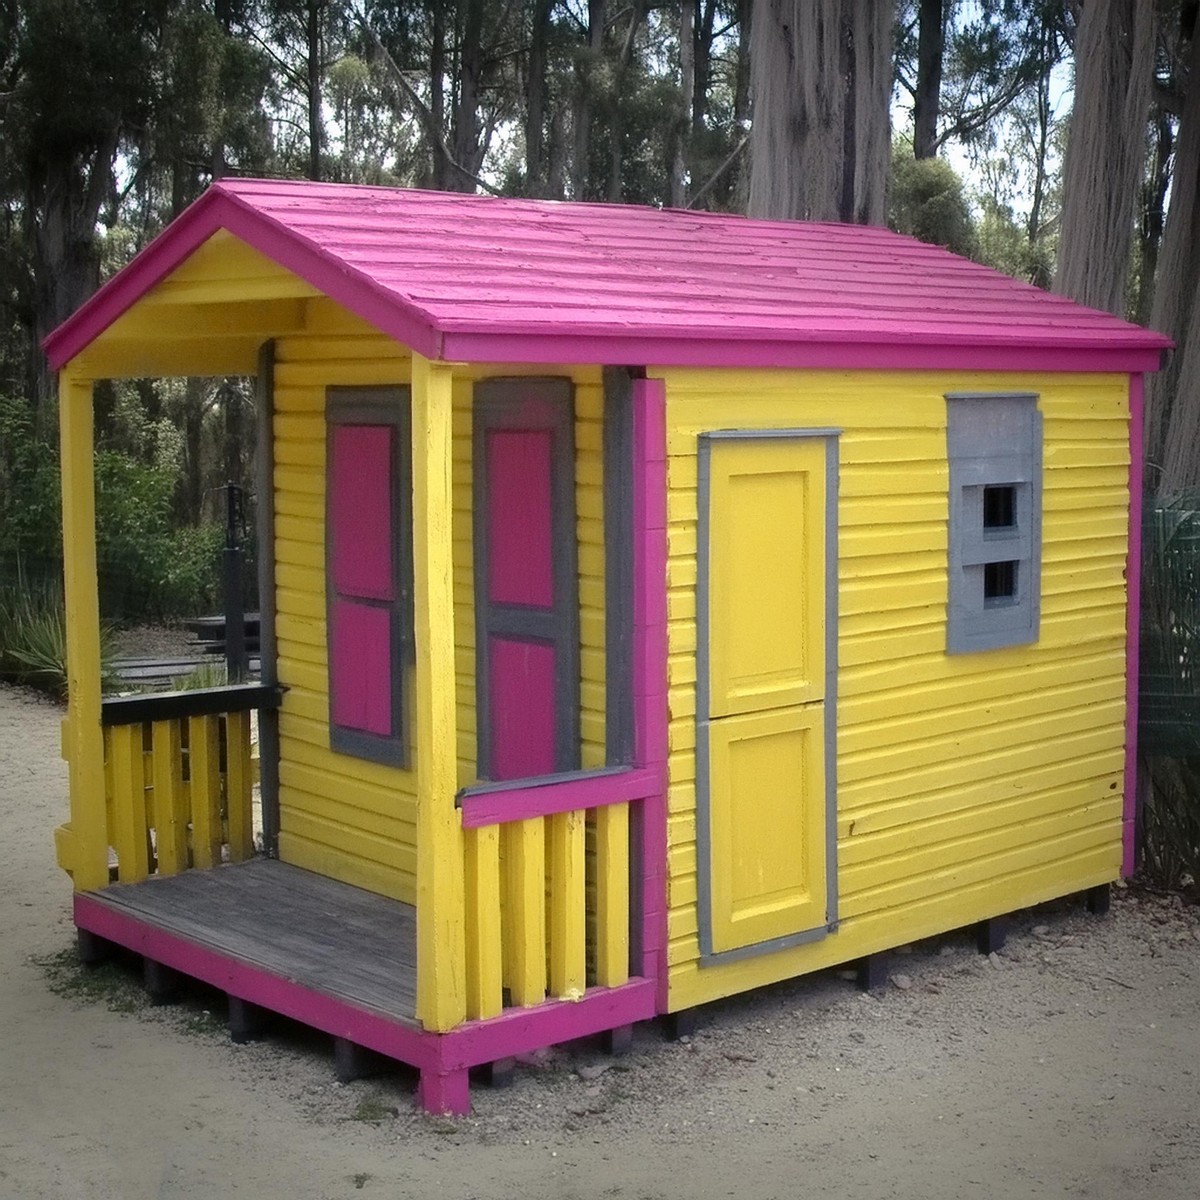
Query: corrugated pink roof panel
{"x":504,"y":280}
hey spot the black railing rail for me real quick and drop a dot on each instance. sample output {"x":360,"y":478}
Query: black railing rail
{"x":198,"y":702}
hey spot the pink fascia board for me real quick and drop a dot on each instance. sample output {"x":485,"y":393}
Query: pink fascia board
{"x":219,"y":209}
{"x":795,"y":353}
{"x":520,"y":803}
{"x":1133,"y":614}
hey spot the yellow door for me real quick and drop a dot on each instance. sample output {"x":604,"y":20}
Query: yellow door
{"x":762,"y":695}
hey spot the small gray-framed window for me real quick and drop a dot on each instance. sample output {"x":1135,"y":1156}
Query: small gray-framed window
{"x":994,"y":447}
{"x":368,"y":570}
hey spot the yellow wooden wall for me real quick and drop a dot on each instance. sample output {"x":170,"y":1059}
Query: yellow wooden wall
{"x":968,"y":785}
{"x":341,"y":816}
{"x":344,"y":817}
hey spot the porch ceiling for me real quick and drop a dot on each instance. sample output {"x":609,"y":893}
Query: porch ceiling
{"x":207,"y":317}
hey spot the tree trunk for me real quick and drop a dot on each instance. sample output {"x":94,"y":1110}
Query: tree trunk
{"x":62,"y":204}
{"x":465,"y":144}
{"x":1152,"y":218}
{"x":683,"y":125}
{"x":927,"y":96}
{"x":820,"y":76}
{"x":586,"y":70}
{"x":1174,"y":392}
{"x":706,"y":11}
{"x":437,"y":93}
{"x":1114,"y":70}
{"x":313,"y":67}
{"x":535,"y":101}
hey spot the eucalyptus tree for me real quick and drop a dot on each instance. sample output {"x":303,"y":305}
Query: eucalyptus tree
{"x":1106,"y":150}
{"x":820,"y":79}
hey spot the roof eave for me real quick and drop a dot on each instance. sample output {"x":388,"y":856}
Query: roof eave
{"x":625,"y":349}
{"x":219,"y":209}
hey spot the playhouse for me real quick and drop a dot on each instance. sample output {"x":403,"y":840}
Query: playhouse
{"x":655,"y":605}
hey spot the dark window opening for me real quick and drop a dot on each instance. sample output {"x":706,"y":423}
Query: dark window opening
{"x":999,"y":583}
{"x":1000,"y":507}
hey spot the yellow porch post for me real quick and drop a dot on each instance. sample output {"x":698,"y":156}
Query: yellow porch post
{"x":84,"y":849}
{"x":441,"y":939}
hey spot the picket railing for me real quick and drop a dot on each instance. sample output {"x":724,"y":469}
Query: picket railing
{"x":548,"y":886}
{"x":178,"y":778}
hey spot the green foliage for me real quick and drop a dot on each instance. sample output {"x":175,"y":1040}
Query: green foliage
{"x":1005,"y":245}
{"x":926,"y":201}
{"x":1169,"y":691}
{"x":33,"y":634}
{"x":147,"y":566}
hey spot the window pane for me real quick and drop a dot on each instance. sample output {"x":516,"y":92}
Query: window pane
{"x":360,"y":667}
{"x":1000,"y":507}
{"x":999,"y":583}
{"x":360,"y":511}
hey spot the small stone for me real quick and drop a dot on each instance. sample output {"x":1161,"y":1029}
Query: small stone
{"x":903,"y":982}
{"x":994,"y":959}
{"x":946,"y":951}
{"x":594,"y":1071}
{"x":1041,"y":930}
{"x":848,"y":976}
{"x":857,"y":1035}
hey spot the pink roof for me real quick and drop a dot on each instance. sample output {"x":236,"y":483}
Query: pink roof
{"x":473,"y":278}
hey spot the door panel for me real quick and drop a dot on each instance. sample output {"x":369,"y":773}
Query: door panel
{"x":762,"y":698}
{"x":768,"y":825}
{"x":767,"y":575}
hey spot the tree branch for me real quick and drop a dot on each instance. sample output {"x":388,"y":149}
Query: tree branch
{"x":432,"y":132}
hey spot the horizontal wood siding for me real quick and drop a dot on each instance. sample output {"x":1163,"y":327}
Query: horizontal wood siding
{"x":343,"y":817}
{"x":968,"y":785}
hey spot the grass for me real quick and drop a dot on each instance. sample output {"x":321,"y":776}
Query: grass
{"x":373,"y":1109}
{"x":109,"y":983}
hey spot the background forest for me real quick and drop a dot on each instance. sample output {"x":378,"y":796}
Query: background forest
{"x":1057,"y":140}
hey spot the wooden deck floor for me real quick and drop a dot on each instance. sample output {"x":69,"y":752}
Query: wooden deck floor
{"x":324,"y":935}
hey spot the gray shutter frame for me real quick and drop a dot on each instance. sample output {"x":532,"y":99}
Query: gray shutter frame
{"x":993,"y":439}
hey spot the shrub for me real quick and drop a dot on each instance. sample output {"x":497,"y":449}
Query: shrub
{"x":33,"y":635}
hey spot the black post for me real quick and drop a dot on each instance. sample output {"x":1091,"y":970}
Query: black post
{"x":231,"y":559}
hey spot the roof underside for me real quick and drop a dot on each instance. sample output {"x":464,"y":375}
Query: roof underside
{"x":483,"y":279}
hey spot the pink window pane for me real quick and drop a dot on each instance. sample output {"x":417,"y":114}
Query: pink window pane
{"x":360,"y":662}
{"x":521,"y":695}
{"x":360,"y":511}
{"x":520,"y":543}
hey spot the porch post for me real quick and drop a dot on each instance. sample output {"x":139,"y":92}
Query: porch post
{"x":441,"y":938}
{"x":84,"y":849}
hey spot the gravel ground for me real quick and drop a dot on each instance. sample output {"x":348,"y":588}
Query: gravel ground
{"x":1067,"y":1065}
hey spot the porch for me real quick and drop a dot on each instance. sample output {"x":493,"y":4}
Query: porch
{"x":339,"y":959}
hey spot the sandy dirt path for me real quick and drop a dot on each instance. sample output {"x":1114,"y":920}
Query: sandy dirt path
{"x":1067,"y":1066}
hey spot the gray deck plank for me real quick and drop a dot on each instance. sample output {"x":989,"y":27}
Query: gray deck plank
{"x":320,"y":933}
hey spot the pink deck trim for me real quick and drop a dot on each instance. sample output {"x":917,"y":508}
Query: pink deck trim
{"x":442,"y":1058}
{"x":374,"y":1030}
{"x":1133,"y":617}
{"x":650,"y":664}
{"x":496,"y":806}
{"x":520,"y":1030}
